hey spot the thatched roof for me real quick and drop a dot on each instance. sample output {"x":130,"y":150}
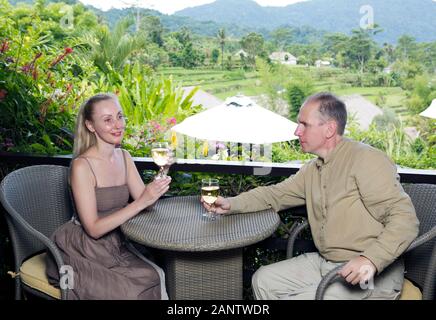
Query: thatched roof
{"x":363,"y":110}
{"x":207,"y":100}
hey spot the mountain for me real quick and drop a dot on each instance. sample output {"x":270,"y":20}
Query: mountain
{"x":413,"y":17}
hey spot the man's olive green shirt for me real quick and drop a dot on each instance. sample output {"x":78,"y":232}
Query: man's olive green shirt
{"x":355,"y":204}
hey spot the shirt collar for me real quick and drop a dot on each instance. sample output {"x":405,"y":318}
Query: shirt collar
{"x":320,"y":161}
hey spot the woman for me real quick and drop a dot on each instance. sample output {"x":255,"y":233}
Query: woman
{"x":103,"y":177}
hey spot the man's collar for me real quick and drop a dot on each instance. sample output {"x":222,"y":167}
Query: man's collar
{"x":320,"y":161}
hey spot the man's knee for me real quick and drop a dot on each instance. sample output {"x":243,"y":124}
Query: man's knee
{"x":259,"y":277}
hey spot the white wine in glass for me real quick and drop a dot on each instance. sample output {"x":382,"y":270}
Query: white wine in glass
{"x":160,"y":153}
{"x":209,"y":192}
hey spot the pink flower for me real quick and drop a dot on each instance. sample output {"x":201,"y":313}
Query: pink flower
{"x":172,"y":121}
{"x":68,"y":50}
{"x":220,"y":146}
{"x":8,"y":143}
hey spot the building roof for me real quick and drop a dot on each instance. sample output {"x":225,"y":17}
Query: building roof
{"x":281,"y":55}
{"x":241,"y":52}
{"x":361,"y":109}
{"x":207,"y":100}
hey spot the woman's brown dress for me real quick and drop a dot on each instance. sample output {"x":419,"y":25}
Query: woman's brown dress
{"x":104,"y":268}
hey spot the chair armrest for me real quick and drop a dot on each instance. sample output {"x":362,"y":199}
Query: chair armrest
{"x":327,"y":280}
{"x":332,"y":275}
{"x":51,"y":246}
{"x":293,"y":234}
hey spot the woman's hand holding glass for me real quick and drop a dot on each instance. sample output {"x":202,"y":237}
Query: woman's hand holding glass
{"x":154,"y":190}
{"x":163,"y":157}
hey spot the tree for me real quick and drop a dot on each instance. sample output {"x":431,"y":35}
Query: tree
{"x":336,"y":45}
{"x":215,"y":55}
{"x":406,"y":48}
{"x":360,"y":48}
{"x":222,"y":41}
{"x":253,"y":45}
{"x":281,"y":37}
{"x":297,"y":91}
{"x":113,"y":47}
{"x":153,"y":29}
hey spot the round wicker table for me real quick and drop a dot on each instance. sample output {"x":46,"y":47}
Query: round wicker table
{"x":203,"y":258}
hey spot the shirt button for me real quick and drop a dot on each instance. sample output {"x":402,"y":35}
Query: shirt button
{"x":325,"y":187}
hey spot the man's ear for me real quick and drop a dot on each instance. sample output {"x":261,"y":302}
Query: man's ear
{"x":89,"y":125}
{"x":332,"y":127}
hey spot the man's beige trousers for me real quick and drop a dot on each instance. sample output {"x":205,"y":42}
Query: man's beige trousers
{"x":298,"y":279}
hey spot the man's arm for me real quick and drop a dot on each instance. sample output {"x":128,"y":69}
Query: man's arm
{"x":286,"y":194}
{"x":385,"y":199}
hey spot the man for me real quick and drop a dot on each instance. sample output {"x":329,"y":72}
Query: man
{"x":357,"y":210}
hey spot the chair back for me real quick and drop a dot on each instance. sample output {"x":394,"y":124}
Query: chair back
{"x":36,"y":196}
{"x":418,"y":261}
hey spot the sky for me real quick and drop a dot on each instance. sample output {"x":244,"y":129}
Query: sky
{"x":171,"y":6}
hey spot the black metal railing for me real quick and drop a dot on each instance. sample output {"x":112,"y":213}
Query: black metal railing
{"x":224,"y":167}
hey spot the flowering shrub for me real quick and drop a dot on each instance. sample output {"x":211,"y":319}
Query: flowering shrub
{"x":138,"y":139}
{"x":40,"y":86}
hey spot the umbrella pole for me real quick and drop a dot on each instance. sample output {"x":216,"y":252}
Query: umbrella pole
{"x":239,"y":151}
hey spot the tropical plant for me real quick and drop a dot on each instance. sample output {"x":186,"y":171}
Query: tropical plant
{"x":41,"y":83}
{"x":147,"y":101}
{"x":222,"y":41}
{"x":297,"y":91}
{"x":113,"y":47}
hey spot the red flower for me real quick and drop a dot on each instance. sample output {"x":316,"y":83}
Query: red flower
{"x":27,"y":68}
{"x":61,"y":57}
{"x":4,"y":47}
{"x":30,"y":67}
{"x":3,"y":94}
{"x":35,"y":74}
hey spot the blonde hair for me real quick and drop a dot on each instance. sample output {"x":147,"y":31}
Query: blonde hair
{"x":83,"y":138}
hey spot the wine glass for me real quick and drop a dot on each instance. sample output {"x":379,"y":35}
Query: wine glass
{"x":209,"y":192}
{"x":160,"y":153}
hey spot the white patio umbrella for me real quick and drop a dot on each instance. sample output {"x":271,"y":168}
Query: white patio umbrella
{"x":430,"y":112}
{"x":238,"y":119}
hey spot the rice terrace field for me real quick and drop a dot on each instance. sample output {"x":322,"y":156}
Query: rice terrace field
{"x":224,"y":83}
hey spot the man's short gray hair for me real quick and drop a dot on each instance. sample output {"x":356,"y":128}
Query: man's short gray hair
{"x":330,"y":107}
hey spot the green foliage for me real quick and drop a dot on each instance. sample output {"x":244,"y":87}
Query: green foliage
{"x":153,"y":29}
{"x":215,"y":55}
{"x":147,"y":101}
{"x":113,"y":47}
{"x":41,"y":83}
{"x":253,"y":44}
{"x":297,"y":91}
{"x":386,"y":120}
{"x":396,"y":144}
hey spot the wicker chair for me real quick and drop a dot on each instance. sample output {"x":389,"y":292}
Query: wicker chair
{"x":419,"y":258}
{"x":37,"y":201}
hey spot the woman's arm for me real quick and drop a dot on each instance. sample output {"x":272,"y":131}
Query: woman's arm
{"x":82,"y":184}
{"x":134,"y":181}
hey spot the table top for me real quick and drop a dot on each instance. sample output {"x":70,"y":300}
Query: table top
{"x":177,"y":224}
